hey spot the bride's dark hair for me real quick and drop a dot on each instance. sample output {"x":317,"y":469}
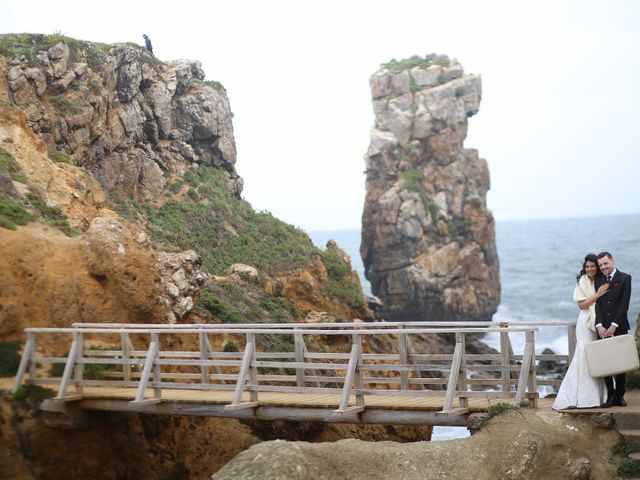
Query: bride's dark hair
{"x":593,"y":258}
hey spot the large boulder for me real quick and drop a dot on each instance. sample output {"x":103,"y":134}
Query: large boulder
{"x":519,"y":445}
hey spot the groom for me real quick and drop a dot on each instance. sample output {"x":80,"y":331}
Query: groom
{"x":611,"y":318}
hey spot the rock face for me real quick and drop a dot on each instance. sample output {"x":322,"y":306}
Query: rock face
{"x":127,"y":118}
{"x":515,"y":446}
{"x":428,"y":241}
{"x":112,"y":273}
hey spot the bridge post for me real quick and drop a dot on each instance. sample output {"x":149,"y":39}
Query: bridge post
{"x":25,"y":361}
{"x":533,"y":375}
{"x":146,"y":370}
{"x":126,"y":366}
{"x":299,"y":349}
{"x":462,"y":377}
{"x":506,"y":361}
{"x":157,"y":390}
{"x":253,"y":370}
{"x":79,"y":367}
{"x":33,"y":367}
{"x":68,"y":367}
{"x":204,"y":356}
{"x":453,"y":378}
{"x":359,"y":377}
{"x":525,"y":369}
{"x":403,"y":353}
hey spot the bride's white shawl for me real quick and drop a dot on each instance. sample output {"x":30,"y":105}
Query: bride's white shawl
{"x":585,"y":289}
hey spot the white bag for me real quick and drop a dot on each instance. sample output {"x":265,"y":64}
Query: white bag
{"x":611,"y":356}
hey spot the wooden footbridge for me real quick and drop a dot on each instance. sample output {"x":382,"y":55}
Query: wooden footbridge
{"x":220,"y":370}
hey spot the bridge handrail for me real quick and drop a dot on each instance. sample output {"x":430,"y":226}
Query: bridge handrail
{"x":303,"y":361}
{"x":306,"y":331}
{"x":359,"y":325}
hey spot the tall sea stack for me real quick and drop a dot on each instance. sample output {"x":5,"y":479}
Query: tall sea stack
{"x":428,"y":239}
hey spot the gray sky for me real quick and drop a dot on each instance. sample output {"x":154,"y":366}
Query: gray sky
{"x":558,"y":122}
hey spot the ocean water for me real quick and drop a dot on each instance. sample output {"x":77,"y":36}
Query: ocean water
{"x":539,"y":260}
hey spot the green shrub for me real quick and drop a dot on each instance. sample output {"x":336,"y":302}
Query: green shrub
{"x":51,"y":216}
{"x":15,"y":45}
{"x":279,"y":342}
{"x":412,"y":180}
{"x":9,"y":358}
{"x":418,"y":61}
{"x":230,"y":346}
{"x":339,"y":282}
{"x":629,"y":467}
{"x":9,"y":166}
{"x":621,"y":448}
{"x":32,"y":392}
{"x":211,"y":303}
{"x":59,"y":156}
{"x":346,"y":291}
{"x":499,"y":408}
{"x":13,"y":213}
{"x":475,"y":202}
{"x":176,"y":187}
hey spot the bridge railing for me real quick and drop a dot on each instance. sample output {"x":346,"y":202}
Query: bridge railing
{"x":152,"y":358}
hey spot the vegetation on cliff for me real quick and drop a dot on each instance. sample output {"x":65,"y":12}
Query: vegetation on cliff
{"x":15,"y":210}
{"x":200,"y":213}
{"x":418,"y":61}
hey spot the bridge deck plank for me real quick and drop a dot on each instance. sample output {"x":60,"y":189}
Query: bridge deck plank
{"x":292,"y":399}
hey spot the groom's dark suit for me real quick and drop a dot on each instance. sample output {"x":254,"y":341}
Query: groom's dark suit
{"x":612,"y":308}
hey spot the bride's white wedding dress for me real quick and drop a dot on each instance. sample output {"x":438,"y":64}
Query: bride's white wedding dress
{"x":578,"y":388}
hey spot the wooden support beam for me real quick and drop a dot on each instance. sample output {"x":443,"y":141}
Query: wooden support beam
{"x":146,"y":371}
{"x":462,"y":376}
{"x":453,"y":378}
{"x":253,"y":369}
{"x":124,"y":345}
{"x":532,"y":385}
{"x":157,"y":380}
{"x":506,"y":360}
{"x":204,"y":355}
{"x":79,"y":367}
{"x":299,"y":355}
{"x":524,"y":373}
{"x":24,"y":362}
{"x":403,"y":354}
{"x":358,"y":375}
{"x":242,"y":376}
{"x":68,"y":368}
{"x":348,"y":381}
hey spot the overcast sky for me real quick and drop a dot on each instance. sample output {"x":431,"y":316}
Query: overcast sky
{"x":558,"y":121}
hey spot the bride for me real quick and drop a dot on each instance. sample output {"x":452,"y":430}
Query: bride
{"x":578,"y":388}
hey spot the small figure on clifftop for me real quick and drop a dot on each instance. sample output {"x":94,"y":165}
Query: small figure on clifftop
{"x":147,"y":43}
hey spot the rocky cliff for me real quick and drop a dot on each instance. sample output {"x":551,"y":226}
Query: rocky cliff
{"x":137,"y":157}
{"x":119,"y":202}
{"x":129,"y":119}
{"x":428,"y":241}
